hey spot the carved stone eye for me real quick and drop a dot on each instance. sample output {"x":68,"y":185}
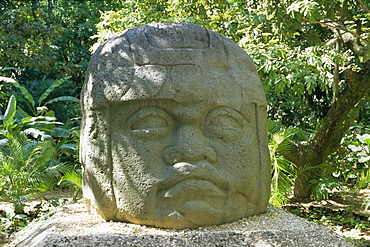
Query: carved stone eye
{"x":150,"y":123}
{"x":224,"y":123}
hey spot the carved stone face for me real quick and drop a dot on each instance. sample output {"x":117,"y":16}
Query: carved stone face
{"x":186,"y":164}
{"x":192,"y":153}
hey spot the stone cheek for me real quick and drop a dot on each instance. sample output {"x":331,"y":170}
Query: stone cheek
{"x":97,"y":165}
{"x":174,"y":146}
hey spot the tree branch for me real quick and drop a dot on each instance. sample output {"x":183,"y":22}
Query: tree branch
{"x":364,"y":6}
{"x":349,"y":38}
{"x":332,"y":128}
{"x":335,"y":123}
{"x":332,"y":26}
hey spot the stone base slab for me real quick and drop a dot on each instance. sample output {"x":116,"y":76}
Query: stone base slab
{"x":73,"y":225}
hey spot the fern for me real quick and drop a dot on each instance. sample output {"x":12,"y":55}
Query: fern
{"x":73,"y":180}
{"x":283,"y":171}
{"x":27,"y":168}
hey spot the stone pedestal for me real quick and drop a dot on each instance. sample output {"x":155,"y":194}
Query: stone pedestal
{"x":72,"y":225}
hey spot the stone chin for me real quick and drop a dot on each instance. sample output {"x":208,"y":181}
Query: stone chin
{"x":182,"y":206}
{"x":181,"y":219}
{"x":192,"y":213}
{"x":198,"y":212}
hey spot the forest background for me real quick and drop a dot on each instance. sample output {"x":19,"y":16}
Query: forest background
{"x":313,"y":58}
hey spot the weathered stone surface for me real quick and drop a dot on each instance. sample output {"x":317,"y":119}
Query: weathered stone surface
{"x":174,"y":129}
{"x":74,"y":226}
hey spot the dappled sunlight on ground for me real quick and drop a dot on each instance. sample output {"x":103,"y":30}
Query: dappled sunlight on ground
{"x":344,"y":213}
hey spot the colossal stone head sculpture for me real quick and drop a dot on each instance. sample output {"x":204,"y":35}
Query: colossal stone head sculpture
{"x":174,"y":129}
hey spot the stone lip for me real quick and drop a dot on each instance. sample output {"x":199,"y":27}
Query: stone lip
{"x":72,"y":225}
{"x":197,"y":187}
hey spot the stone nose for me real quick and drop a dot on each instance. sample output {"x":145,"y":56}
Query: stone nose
{"x":189,"y":145}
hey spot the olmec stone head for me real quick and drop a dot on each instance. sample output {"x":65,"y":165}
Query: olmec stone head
{"x":174,"y":129}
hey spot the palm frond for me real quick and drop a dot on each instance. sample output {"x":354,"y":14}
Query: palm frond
{"x":28,"y":167}
{"x":283,"y":171}
{"x":72,"y":178}
{"x":366,"y":203}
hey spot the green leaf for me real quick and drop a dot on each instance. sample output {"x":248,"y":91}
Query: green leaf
{"x":26,"y":120}
{"x":26,"y":94}
{"x":366,"y":203}
{"x":10,"y":112}
{"x":364,"y":159}
{"x":56,"y":84}
{"x":43,"y":119}
{"x":63,"y":98}
{"x":71,"y":178}
{"x":367,"y":54}
{"x":35,"y":133}
{"x":363,"y":138}
{"x":68,"y":148}
{"x":8,"y":68}
{"x":7,"y":79}
{"x":30,"y":164}
{"x":3,"y":143}
{"x":305,"y":8}
{"x":59,"y":132}
{"x":40,"y":110}
{"x":354,"y":148}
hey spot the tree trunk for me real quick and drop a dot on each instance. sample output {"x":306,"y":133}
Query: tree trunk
{"x":302,"y":186}
{"x":306,"y":155}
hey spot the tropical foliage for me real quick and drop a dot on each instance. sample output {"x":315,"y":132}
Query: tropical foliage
{"x":283,"y":172}
{"x":27,"y":166}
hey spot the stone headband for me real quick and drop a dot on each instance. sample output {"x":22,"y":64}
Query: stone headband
{"x":151,"y":61}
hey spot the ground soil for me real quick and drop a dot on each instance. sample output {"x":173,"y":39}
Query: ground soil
{"x":343,"y":202}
